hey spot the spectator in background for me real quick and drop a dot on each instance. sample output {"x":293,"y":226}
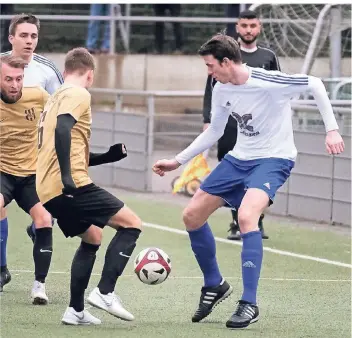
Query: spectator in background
{"x":160,"y":10}
{"x":94,"y":29}
{"x":233,"y":11}
{"x":5,"y":9}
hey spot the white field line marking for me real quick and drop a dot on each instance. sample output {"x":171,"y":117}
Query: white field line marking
{"x":279,"y":252}
{"x":18,"y":272}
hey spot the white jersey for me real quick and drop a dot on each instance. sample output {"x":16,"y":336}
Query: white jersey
{"x":262,"y":109}
{"x":40,"y":71}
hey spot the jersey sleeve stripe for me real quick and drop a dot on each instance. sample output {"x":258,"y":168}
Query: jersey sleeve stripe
{"x":48,"y":63}
{"x":282,"y":81}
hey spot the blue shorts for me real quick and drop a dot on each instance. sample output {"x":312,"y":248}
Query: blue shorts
{"x":232,"y":177}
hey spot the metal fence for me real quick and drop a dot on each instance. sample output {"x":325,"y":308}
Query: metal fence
{"x":318,"y":189}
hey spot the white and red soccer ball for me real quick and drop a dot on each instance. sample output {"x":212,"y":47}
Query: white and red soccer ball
{"x":152,"y":266}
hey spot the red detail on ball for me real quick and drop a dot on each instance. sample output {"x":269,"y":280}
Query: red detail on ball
{"x":145,"y":261}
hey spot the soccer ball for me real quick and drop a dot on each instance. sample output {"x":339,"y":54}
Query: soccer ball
{"x":152,"y":266}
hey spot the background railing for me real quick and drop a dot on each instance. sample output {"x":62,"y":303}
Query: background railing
{"x":318,"y":189}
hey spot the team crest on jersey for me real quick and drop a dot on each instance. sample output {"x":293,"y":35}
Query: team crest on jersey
{"x":30,"y":114}
{"x":243,"y":122}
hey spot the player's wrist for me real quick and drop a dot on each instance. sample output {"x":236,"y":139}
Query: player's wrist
{"x":332,"y":131}
{"x":177,"y":162}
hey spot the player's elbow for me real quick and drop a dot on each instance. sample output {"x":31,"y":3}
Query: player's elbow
{"x":216,"y":131}
{"x":314,"y":84}
{"x":60,"y":133}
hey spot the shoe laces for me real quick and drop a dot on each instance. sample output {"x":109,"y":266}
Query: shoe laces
{"x":241,"y":307}
{"x":39,"y":286}
{"x":113,"y":297}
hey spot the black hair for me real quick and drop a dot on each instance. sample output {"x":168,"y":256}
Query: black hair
{"x":247,"y":14}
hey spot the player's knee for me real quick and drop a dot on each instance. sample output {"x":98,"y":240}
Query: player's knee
{"x":43,"y":220}
{"x":125,"y":218}
{"x":2,"y":202}
{"x":134,"y":222}
{"x":246,"y":219}
{"x":190,"y":219}
{"x":131,"y":221}
{"x":2,"y":212}
{"x":93,"y":235}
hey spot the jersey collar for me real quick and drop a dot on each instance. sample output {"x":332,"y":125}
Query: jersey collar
{"x":248,"y":50}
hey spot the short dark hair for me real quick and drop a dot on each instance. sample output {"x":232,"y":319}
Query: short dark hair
{"x":222,"y":46}
{"x":247,"y":14}
{"x":23,"y":18}
{"x":79,"y":60}
{"x":13,"y":61}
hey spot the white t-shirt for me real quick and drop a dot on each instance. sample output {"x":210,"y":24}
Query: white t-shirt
{"x":41,"y":72}
{"x":262,"y":109}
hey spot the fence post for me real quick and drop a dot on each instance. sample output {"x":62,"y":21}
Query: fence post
{"x":112,"y":30}
{"x":118,"y":103}
{"x":150,"y":142}
{"x":309,"y":58}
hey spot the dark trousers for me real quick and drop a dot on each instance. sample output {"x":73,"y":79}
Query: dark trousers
{"x":5,"y":9}
{"x":228,"y":140}
{"x":160,"y":10}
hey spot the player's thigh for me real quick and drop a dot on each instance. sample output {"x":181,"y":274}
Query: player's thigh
{"x":125,"y":218}
{"x":198,"y":210}
{"x":40,"y":216}
{"x":99,"y":207}
{"x":227,"y":182}
{"x":93,"y":235}
{"x":25,"y":193}
{"x":262,"y":185}
{"x":63,"y":209}
{"x":269,"y":176}
{"x":7,"y":190}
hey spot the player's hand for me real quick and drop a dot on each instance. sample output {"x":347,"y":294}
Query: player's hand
{"x":334,"y":143}
{"x":206,"y":126}
{"x":117,"y":152}
{"x":69,"y":188}
{"x":162,"y":166}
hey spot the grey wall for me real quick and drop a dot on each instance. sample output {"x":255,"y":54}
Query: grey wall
{"x":320,"y":185}
{"x":131,"y":129}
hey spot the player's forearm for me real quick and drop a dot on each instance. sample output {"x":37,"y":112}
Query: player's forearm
{"x":318,"y":90}
{"x":98,"y":159}
{"x":116,"y":153}
{"x":207,"y":138}
{"x":63,"y":129}
{"x":203,"y":142}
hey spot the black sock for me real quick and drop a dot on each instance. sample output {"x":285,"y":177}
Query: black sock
{"x":117,"y":255}
{"x":234,"y":216}
{"x":81,"y":269}
{"x":3,"y":268}
{"x":42,"y":251}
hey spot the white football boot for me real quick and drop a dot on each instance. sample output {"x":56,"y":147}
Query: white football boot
{"x":72,"y":317}
{"x":38,"y":294}
{"x":111,"y":303}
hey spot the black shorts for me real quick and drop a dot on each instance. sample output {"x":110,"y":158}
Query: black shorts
{"x":228,"y":139}
{"x":20,"y":189}
{"x":90,"y":205}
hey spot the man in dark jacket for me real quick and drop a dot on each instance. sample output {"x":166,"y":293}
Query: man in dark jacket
{"x":248,"y":29}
